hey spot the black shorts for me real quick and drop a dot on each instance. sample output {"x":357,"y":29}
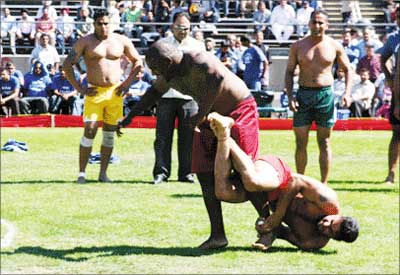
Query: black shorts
{"x":392,"y":119}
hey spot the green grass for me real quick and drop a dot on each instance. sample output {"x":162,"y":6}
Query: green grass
{"x":130,"y":226}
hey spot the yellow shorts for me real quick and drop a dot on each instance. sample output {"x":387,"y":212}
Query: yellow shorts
{"x":105,"y":106}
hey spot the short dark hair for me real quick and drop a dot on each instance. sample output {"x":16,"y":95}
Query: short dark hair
{"x":348,"y":230}
{"x":180,"y":14}
{"x":319,"y":11}
{"x":24,"y":10}
{"x":100,"y":13}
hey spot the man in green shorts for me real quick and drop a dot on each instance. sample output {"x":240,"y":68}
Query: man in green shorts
{"x":315,"y":55}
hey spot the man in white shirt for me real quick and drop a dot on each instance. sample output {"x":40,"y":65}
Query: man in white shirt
{"x":362,"y":94}
{"x":45,"y":53}
{"x":173,"y":105}
{"x":65,"y":29}
{"x":282,"y":19}
{"x":8,"y":27}
{"x":303,"y":17}
{"x":26,"y":28}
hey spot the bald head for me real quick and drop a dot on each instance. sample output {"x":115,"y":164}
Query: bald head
{"x":161,"y":55}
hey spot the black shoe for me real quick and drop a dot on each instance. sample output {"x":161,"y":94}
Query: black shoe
{"x":188,"y":178}
{"x":160,"y":178}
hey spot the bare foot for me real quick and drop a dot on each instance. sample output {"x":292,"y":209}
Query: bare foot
{"x":81,"y":180}
{"x":390,"y":179}
{"x":264,"y":242}
{"x":104,"y":178}
{"x":221,"y":125}
{"x":214,"y":243}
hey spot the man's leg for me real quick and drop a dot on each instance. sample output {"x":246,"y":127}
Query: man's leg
{"x":185,"y":140}
{"x":106,"y":150}
{"x":394,"y":153}
{"x":217,"y":237}
{"x":301,"y":135}
{"x":85,"y":148}
{"x":325,"y":152}
{"x":164,"y":136}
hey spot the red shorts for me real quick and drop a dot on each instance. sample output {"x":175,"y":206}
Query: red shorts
{"x":284,"y":174}
{"x":244,"y":132}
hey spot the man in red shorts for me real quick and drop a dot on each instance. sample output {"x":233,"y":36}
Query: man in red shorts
{"x":201,"y":75}
{"x":308,"y":207}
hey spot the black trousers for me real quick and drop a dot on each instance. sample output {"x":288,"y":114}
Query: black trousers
{"x":168,"y":109}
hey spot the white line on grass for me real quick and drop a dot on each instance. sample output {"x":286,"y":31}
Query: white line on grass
{"x":9,"y":237}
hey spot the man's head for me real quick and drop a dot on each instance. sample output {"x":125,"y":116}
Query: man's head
{"x":24,"y":13}
{"x":38,"y":68}
{"x":44,"y":40}
{"x":4,"y":74}
{"x":346,"y":38}
{"x":10,"y":66}
{"x":161,"y":56}
{"x":181,"y":25}
{"x":339,"y":228}
{"x":364,"y":75}
{"x":259,"y":37}
{"x":101,"y":23}
{"x":318,"y":23}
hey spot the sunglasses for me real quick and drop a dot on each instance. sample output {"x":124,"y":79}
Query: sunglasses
{"x":100,"y":23}
{"x":182,"y":28}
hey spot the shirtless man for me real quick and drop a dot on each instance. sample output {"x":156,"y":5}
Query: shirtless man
{"x":102,"y":52}
{"x":215,"y":88}
{"x":315,"y":55}
{"x":308,"y":207}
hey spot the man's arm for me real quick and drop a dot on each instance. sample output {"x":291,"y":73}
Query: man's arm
{"x":344,"y":63}
{"x":291,"y":66}
{"x":137,"y":63}
{"x":152,"y":95}
{"x":317,"y":194}
{"x":14,"y":94}
{"x":396,"y":88}
{"x":73,"y":57}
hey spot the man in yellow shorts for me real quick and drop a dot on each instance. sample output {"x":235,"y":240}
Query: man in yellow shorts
{"x":102,"y":52}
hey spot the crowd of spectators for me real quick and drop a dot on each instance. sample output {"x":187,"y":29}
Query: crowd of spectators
{"x":51,"y":35}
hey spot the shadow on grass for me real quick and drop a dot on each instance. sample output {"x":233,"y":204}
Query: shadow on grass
{"x":73,"y":181}
{"x":355,"y":181}
{"x":178,"y":196}
{"x":123,"y":250}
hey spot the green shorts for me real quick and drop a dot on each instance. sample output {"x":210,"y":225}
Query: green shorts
{"x":315,"y":104}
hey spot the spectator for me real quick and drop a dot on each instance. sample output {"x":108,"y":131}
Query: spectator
{"x":227,"y":3}
{"x":130,"y":17}
{"x":361,"y":96}
{"x":227,"y":56}
{"x":177,"y":6}
{"x":339,"y":88}
{"x":211,"y":11}
{"x":65,"y":30}
{"x":115,"y":18}
{"x":52,"y":12}
{"x":210,"y":44}
{"x":150,"y":32}
{"x":64,"y":94}
{"x":351,"y":50}
{"x":260,"y":43}
{"x":303,"y":15}
{"x":198,"y":35}
{"x":9,"y":96}
{"x":261,"y":18}
{"x":371,"y":62}
{"x":283,"y":18}
{"x":174,"y":105}
{"x":84,"y":5}
{"x":45,"y":53}
{"x":389,"y":10}
{"x":381,"y":88}
{"x":8,"y":28}
{"x":247,"y":8}
{"x":37,"y":89}
{"x":255,"y":72}
{"x":368,"y":37}
{"x":16,"y":73}
{"x":46,"y":25}
{"x":26,"y":29}
{"x":350,"y":11}
{"x":84,"y":25}
{"x":162,"y":15}
{"x":137,"y":89}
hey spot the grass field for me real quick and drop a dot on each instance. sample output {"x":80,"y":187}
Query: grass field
{"x":131,"y":226}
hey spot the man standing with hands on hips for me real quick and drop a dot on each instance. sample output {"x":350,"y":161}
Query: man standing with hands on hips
{"x":102,"y":52}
